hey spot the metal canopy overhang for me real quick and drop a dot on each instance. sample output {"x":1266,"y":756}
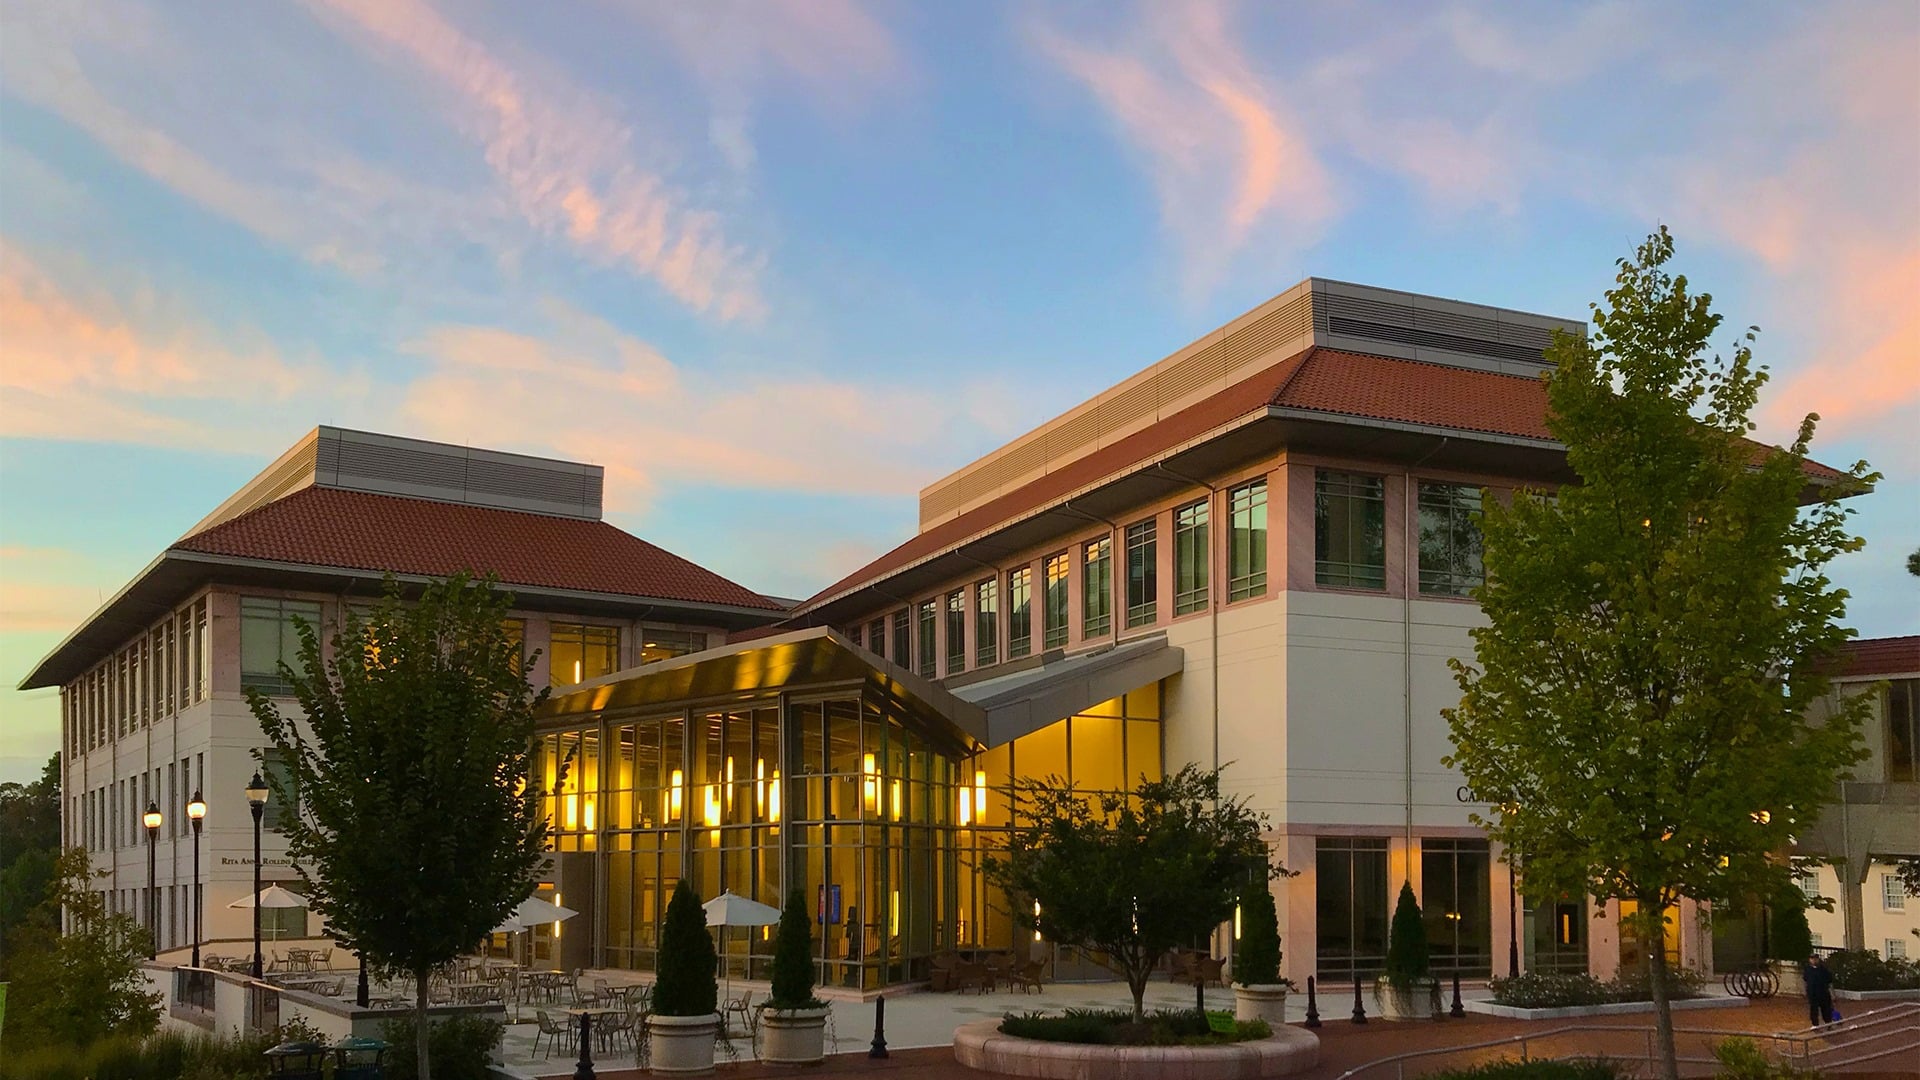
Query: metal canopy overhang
{"x":816,"y":658}
{"x":1262,"y":433}
{"x":1026,"y":701}
{"x":175,"y":575}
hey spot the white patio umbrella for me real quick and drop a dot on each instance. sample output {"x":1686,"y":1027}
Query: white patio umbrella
{"x":729,"y":909}
{"x":273,"y":896}
{"x":533,"y":912}
{"x":530,"y":913}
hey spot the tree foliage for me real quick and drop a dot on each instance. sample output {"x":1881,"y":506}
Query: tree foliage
{"x":1408,"y":957}
{"x":1130,"y":876}
{"x":29,"y":851}
{"x":685,"y":984}
{"x":793,"y":956}
{"x":1788,"y":935}
{"x":1657,"y":631}
{"x":1256,"y":959}
{"x":420,"y":825}
{"x":76,"y":988}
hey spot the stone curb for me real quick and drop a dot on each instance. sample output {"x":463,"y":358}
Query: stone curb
{"x":980,"y":1045}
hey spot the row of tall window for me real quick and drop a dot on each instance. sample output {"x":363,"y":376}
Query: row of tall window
{"x":1350,"y":534}
{"x":161,"y":673}
{"x":109,"y":815}
{"x":576,"y":652}
{"x":931,"y":636}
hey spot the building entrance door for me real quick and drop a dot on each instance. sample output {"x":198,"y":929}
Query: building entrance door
{"x":1633,"y":946}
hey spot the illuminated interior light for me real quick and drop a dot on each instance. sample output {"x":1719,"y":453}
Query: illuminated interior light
{"x":587,"y":818}
{"x":773,"y":796}
{"x":576,"y":671}
{"x":674,"y":796}
{"x":759,"y":787}
{"x":893,"y":912}
{"x":711,"y":792}
{"x":980,"y":797}
{"x":1036,"y":920}
{"x":870,"y":787}
{"x":966,"y":807}
{"x":1236,"y":922}
{"x":898,"y":802}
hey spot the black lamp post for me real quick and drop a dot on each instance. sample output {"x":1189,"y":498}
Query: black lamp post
{"x":151,"y":819}
{"x":196,"y":810}
{"x":257,"y":799}
{"x":1513,"y":916}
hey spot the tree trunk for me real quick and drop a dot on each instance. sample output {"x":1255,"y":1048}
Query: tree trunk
{"x":1655,"y":928}
{"x":1137,"y":984}
{"x":422,"y":1065}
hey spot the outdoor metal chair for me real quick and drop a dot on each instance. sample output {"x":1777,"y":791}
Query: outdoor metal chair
{"x":742,"y":1005}
{"x":556,"y":1033}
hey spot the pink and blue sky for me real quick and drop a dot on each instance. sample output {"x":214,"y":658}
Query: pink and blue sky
{"x":777,"y":265}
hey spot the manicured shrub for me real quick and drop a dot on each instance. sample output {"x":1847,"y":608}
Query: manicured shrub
{"x":1407,"y":954}
{"x":1788,"y":937}
{"x":1256,"y":961}
{"x":460,"y":1048}
{"x":793,"y":956}
{"x":1742,"y":1059}
{"x":1564,"y":990}
{"x":1117,"y":1027}
{"x":685,"y":985}
{"x":1857,"y":969}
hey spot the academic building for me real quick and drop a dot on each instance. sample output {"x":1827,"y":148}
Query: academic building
{"x":153,"y":684}
{"x":1256,"y":553}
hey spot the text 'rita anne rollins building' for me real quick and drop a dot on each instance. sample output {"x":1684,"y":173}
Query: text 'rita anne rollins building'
{"x":1254,"y":553}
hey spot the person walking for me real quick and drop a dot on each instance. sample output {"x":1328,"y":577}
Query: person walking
{"x":1819,"y":982}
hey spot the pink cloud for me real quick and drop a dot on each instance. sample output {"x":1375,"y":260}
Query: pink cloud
{"x":1226,"y":158}
{"x":92,"y":366}
{"x":564,"y":158}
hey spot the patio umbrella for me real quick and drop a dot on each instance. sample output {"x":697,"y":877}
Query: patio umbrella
{"x":729,"y":909}
{"x":273,"y":896}
{"x":533,"y":912}
{"x":530,"y":913}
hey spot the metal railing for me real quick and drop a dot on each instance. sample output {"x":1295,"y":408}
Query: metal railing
{"x":193,"y":988}
{"x":1869,"y":1037}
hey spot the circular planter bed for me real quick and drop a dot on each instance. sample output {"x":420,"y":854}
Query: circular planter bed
{"x":981,"y":1045}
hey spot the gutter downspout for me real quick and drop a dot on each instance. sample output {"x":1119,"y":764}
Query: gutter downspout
{"x":1213,"y":604}
{"x":1409,"y":584}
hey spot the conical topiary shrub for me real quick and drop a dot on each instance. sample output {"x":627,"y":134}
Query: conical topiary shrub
{"x":685,"y":984}
{"x":793,"y":957}
{"x":1256,"y":961}
{"x":1789,"y":937}
{"x":1407,"y":952}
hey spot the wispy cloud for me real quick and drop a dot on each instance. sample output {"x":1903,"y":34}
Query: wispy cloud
{"x":834,"y":51}
{"x":86,"y":364}
{"x":577,"y":385}
{"x":565,"y":158}
{"x":1226,"y":156}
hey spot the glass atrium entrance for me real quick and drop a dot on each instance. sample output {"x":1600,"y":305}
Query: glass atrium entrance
{"x":839,"y":775}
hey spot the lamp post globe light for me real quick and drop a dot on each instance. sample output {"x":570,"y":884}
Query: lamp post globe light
{"x":196,"y":810}
{"x":257,"y":800}
{"x":151,"y":819}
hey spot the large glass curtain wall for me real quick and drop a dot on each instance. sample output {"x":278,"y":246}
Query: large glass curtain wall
{"x":882,"y":830}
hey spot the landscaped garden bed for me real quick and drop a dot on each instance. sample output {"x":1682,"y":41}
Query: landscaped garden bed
{"x":1116,"y":1027}
{"x":1552,"y":995}
{"x":984,"y":1045}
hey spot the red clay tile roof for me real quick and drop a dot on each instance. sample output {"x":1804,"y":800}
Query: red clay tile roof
{"x":1880,"y":656}
{"x":1316,"y":380}
{"x":362,"y":531}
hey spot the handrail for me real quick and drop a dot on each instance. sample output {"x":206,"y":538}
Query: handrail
{"x":1802,"y":1038}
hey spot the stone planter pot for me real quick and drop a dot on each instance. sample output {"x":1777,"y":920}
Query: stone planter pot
{"x":1793,"y":981}
{"x":794,"y":1036}
{"x":682,"y":1045}
{"x":1261,"y":1001}
{"x":1418,"y":1001}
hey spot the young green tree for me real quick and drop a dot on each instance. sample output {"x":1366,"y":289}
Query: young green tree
{"x":793,"y":956}
{"x":1657,"y":631}
{"x":76,"y":988}
{"x":419,"y":824}
{"x":684,"y":985}
{"x":1129,"y":877}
